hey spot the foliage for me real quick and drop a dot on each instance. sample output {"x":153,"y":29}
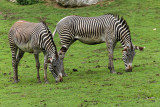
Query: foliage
{"x":92,"y":84}
{"x":27,"y":2}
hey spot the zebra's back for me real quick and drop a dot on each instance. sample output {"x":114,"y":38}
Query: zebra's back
{"x":89,"y":30}
{"x":24,"y":35}
{"x":22,"y":31}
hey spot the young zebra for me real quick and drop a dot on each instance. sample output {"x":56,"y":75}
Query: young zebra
{"x":94,"y":30}
{"x":34,"y":38}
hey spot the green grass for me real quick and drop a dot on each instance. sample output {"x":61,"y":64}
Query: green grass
{"x":92,"y":85}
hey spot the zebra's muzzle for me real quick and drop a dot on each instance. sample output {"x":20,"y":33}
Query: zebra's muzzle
{"x":129,"y":68}
{"x":59,"y":78}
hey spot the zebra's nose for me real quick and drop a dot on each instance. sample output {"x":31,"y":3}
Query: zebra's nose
{"x":129,"y":69}
{"x":61,"y":79}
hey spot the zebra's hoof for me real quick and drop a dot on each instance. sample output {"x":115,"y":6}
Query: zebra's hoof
{"x":46,"y":82}
{"x":16,"y":81}
{"x":113,"y":72}
{"x":129,"y":70}
{"x":39,"y":81}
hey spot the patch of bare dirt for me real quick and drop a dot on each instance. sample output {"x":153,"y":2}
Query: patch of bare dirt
{"x":52,"y":3}
{"x":105,"y":2}
{"x":9,"y":16}
{"x":56,"y":5}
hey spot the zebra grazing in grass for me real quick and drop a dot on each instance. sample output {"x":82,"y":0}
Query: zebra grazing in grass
{"x":34,"y":38}
{"x":94,"y":30}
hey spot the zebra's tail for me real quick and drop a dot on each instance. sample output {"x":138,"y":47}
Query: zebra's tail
{"x":54,"y":32}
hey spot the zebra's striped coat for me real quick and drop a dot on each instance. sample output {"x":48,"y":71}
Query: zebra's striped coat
{"x":33,"y":38}
{"x":94,"y":30}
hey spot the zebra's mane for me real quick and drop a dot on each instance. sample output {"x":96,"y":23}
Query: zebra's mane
{"x":43,"y":22}
{"x":124,"y":23}
{"x":114,"y":15}
{"x":50,"y":34}
{"x":121,"y":23}
{"x":51,"y":37}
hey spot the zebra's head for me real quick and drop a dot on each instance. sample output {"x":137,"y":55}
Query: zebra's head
{"x":56,"y":68}
{"x":128,"y":55}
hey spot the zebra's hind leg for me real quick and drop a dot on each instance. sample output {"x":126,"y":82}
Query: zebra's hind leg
{"x":14,"y":63}
{"x":19,"y":55}
{"x":36,"y":56}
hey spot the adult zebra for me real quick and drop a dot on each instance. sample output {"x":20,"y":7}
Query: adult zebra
{"x":34,"y":38}
{"x":94,"y":30}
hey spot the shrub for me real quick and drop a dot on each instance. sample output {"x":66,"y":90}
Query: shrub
{"x":27,"y":2}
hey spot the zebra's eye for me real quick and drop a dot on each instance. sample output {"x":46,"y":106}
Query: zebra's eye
{"x":54,"y":64}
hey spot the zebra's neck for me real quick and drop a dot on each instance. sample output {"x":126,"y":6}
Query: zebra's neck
{"x":122,"y":33}
{"x":47,"y":44}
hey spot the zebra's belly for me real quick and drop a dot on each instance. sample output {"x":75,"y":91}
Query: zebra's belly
{"x":91,"y":41}
{"x":28,"y":48}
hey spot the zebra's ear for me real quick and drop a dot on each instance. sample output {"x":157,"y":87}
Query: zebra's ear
{"x":139,"y":48}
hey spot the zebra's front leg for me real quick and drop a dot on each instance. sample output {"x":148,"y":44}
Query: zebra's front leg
{"x":110,"y":48}
{"x":61,"y":54}
{"x":18,"y":58}
{"x":45,"y":67}
{"x":36,"y":56}
{"x":15,"y":71}
{"x":110,"y":65}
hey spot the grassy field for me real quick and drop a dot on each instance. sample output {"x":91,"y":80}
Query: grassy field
{"x":92,"y":84}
